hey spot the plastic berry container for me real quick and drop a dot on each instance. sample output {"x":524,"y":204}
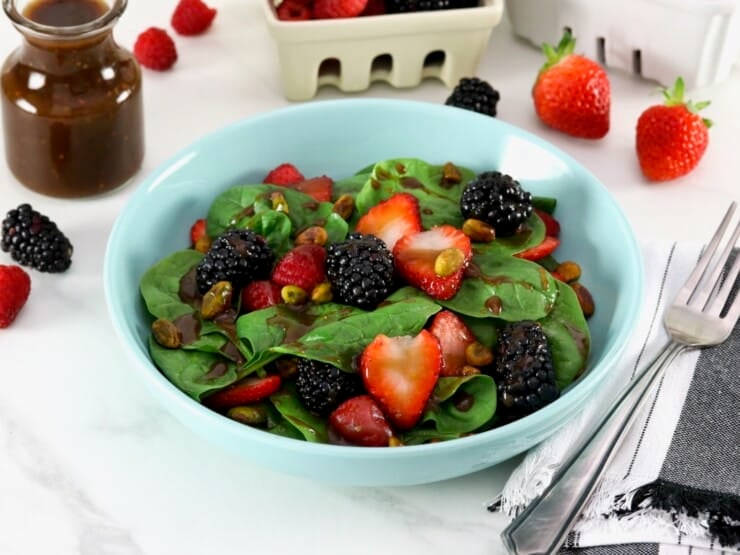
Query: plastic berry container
{"x":400,"y":49}
{"x":698,"y":40}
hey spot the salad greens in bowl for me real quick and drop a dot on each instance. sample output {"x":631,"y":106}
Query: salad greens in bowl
{"x":443,"y":292}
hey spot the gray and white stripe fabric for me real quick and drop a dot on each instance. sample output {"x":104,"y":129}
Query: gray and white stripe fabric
{"x":673,"y":488}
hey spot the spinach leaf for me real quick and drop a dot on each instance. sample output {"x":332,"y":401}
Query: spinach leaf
{"x":546,"y":204}
{"x":278,"y":425}
{"x":276,"y":228}
{"x":421,"y":435}
{"x":350,"y":185}
{"x":549,"y":263}
{"x":196,"y":373}
{"x":262,"y":329}
{"x":504,"y":287}
{"x":336,"y":228}
{"x":207,"y":343}
{"x":160,"y":285}
{"x":339,"y":342}
{"x":531,"y":235}
{"x":568,"y":335}
{"x":461,"y":404}
{"x":485,"y":330}
{"x":236,"y":206}
{"x":439,"y":202}
{"x":443,"y":418}
{"x":310,"y":426}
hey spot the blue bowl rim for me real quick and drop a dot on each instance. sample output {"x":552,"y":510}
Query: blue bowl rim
{"x":196,"y":410}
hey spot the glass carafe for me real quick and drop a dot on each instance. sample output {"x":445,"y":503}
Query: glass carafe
{"x":71,"y":99}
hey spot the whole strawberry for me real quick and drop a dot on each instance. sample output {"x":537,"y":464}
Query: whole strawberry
{"x":15,"y":286}
{"x":572,"y":93}
{"x":672,"y":137}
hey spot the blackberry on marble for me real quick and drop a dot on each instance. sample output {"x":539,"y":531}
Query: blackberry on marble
{"x":33,"y":240}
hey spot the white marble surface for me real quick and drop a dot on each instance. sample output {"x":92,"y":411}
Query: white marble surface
{"x":90,"y":465}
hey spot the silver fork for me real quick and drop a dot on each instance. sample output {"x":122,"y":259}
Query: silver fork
{"x":697,"y":317}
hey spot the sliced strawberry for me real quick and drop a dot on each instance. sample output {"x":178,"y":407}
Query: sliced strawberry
{"x":248,"y":390}
{"x":400,"y":373}
{"x":360,"y":421}
{"x":304,"y":266}
{"x":454,"y":337}
{"x":540,"y":251}
{"x":420,"y":257}
{"x":317,"y":187}
{"x":552,"y":226}
{"x":260,"y":294}
{"x":284,"y":174}
{"x":197,"y":230}
{"x":392,"y":218}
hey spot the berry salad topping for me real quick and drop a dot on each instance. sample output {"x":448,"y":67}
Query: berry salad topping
{"x":406,"y":304}
{"x":302,"y":10}
{"x":35,"y":241}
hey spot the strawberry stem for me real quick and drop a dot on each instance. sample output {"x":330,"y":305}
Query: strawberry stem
{"x":553,"y":54}
{"x":674,"y":97}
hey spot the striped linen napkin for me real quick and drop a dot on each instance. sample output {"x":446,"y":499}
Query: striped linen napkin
{"x":673,"y":487}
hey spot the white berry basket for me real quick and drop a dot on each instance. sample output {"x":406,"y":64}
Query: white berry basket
{"x":657,"y":39}
{"x":400,"y":49}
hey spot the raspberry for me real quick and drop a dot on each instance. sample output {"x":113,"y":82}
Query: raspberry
{"x":294,"y":10}
{"x":303,"y":266}
{"x":329,"y":9}
{"x":192,"y":17}
{"x":284,"y":174}
{"x":155,"y":49}
{"x":15,"y":286}
{"x":260,"y":294}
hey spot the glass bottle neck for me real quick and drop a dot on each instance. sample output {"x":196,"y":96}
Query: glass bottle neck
{"x":43,"y":31}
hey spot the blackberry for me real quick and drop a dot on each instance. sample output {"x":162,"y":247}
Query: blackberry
{"x":523,"y":370}
{"x":498,"y":200}
{"x":360,"y":270}
{"x":238,"y":256}
{"x":33,"y":240}
{"x":323,"y":387}
{"x":403,"y":6}
{"x":475,"y":95}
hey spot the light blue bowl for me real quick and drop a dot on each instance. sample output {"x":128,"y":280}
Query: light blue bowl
{"x":337,"y":138}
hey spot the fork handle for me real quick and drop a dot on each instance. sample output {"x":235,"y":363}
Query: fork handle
{"x":541,"y":529}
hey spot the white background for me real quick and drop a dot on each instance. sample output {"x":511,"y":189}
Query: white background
{"x":89,"y":464}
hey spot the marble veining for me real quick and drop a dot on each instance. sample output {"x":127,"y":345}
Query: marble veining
{"x":97,"y":533}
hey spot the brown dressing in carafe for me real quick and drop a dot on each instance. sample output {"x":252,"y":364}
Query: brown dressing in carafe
{"x":71,"y":103}
{"x":64,"y":13}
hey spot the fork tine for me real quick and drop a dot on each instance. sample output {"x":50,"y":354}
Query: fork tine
{"x":691,"y":283}
{"x":724,"y":293}
{"x":704,"y":295}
